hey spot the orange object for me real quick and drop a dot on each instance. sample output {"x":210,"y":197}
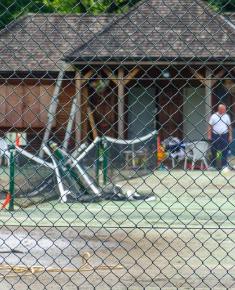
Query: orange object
{"x":6,"y":200}
{"x":161,"y":154}
{"x":17,"y":139}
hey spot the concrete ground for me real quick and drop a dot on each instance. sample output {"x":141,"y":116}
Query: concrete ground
{"x":182,"y":240}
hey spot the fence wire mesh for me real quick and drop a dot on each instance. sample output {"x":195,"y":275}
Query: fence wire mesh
{"x":117,"y":144}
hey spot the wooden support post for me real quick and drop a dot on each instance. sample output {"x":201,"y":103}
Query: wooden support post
{"x":217,"y":77}
{"x":111,"y":76}
{"x":198,"y":76}
{"x":203,"y":79}
{"x":131,"y":75}
{"x":52,"y":110}
{"x":92,"y":123}
{"x":208,"y":95}
{"x":121,"y":81}
{"x":121,"y":110}
{"x":127,"y":78}
{"x":230,"y":85}
{"x":83,"y":95}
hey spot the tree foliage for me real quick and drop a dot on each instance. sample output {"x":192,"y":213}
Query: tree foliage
{"x":223,"y":5}
{"x":89,"y":6}
{"x":12,"y":9}
{"x":101,"y":6}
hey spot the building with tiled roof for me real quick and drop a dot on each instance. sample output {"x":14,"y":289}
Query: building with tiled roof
{"x":37,"y":42}
{"x":164,"y":66}
{"x":162,"y":30}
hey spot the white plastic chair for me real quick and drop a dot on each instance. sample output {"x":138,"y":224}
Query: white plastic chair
{"x":196,"y":151}
{"x":177,"y":156}
{"x":4,"y":152}
{"x":173,"y":155}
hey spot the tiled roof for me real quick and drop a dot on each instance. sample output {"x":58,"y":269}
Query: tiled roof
{"x":157,"y":29}
{"x":38,"y":42}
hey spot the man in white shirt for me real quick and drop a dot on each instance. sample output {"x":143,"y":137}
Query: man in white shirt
{"x":220,"y":134}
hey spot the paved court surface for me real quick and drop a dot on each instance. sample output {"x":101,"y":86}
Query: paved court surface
{"x":192,"y":198}
{"x":184,"y":239}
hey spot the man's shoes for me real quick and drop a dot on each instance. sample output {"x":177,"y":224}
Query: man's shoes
{"x":225,"y":169}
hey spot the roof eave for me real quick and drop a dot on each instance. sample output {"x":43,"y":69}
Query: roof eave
{"x":124,"y":60}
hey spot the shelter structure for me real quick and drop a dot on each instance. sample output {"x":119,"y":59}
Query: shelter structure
{"x":36,"y":86}
{"x":163,"y":65}
{"x":168,"y":62}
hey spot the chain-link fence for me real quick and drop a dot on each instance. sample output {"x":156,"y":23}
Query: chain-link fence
{"x":117,"y":144}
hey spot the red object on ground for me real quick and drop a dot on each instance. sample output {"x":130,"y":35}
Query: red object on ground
{"x":158,"y":141}
{"x":197,"y":167}
{"x":6,"y":200}
{"x":17,"y":139}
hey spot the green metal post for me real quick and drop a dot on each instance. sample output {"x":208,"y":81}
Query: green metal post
{"x":100,"y":169}
{"x":98,"y":162}
{"x":63,"y":161}
{"x":12,"y":177}
{"x":105,"y":162}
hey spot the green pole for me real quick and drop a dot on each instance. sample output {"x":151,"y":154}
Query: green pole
{"x":98,"y":162}
{"x":12,"y":178}
{"x":105,"y":162}
{"x":63,"y":161}
{"x":156,"y":153}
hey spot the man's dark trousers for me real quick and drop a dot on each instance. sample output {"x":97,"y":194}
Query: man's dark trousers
{"x":219,"y":143}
